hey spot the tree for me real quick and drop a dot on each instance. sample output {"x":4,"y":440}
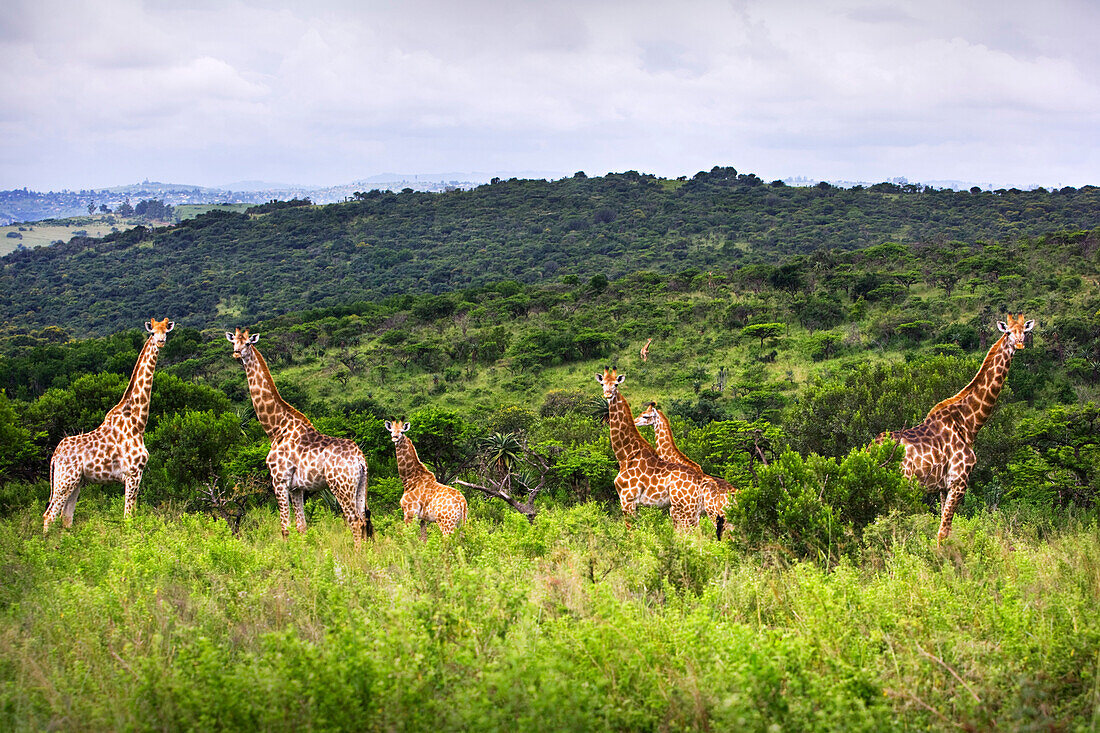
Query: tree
{"x":17,"y":443}
{"x":763,"y":331}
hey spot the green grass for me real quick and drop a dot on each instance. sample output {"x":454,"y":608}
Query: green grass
{"x":41,"y":234}
{"x":190,"y":211}
{"x":573,"y":623}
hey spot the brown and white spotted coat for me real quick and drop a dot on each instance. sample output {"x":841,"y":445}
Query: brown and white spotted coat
{"x":646,"y":479}
{"x":424,"y":498}
{"x":716,"y":491}
{"x":301,"y":457}
{"x":939,"y":452}
{"x":115,"y":451}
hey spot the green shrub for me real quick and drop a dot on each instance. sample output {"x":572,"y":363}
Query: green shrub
{"x":816,"y":507}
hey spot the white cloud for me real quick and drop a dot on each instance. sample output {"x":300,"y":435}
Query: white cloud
{"x":331,"y":91}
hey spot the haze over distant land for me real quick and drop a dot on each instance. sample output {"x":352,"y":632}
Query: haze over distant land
{"x":994,"y":91}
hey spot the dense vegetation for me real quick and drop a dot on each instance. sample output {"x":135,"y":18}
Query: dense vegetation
{"x":829,"y":608}
{"x":572,"y":623}
{"x":817,"y":354}
{"x":226,"y":265}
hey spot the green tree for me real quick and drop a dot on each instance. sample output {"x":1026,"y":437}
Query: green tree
{"x":763,"y":331}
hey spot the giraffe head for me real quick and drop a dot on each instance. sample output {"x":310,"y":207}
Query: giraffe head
{"x":158,"y":330}
{"x":242,"y":343}
{"x":649,"y":416}
{"x":397,"y":429}
{"x":1014,"y":328}
{"x":610,"y":381}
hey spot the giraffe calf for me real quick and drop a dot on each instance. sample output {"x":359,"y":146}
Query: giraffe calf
{"x":424,"y":498}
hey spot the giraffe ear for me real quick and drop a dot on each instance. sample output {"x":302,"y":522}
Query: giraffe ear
{"x":1029,"y":325}
{"x":599,"y":377}
{"x":171,"y":325}
{"x":1002,"y":327}
{"x":253,"y":338}
{"x":229,"y":337}
{"x":148,"y":327}
{"x":388,"y":424}
{"x":406,"y":428}
{"x":620,"y":379}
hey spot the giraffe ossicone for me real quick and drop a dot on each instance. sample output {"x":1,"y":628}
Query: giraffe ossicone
{"x":716,"y":492}
{"x":424,"y":498}
{"x":939,"y":452}
{"x":115,"y":451}
{"x":644,"y":478}
{"x":301,"y":457}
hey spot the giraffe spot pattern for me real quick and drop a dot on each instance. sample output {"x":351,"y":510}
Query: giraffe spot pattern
{"x":939,"y":452}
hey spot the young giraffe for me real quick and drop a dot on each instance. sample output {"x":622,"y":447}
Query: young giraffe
{"x":302,"y":458}
{"x":115,"y":451}
{"x":425,"y":498}
{"x":939,"y":452}
{"x":644,"y":477}
{"x":716,"y":491}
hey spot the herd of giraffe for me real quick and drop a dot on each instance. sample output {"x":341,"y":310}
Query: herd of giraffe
{"x":939,"y":452}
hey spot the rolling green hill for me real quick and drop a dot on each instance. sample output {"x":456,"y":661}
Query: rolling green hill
{"x":829,"y":606}
{"x":225,"y":267}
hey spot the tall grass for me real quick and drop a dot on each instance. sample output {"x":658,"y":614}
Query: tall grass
{"x":573,"y":623}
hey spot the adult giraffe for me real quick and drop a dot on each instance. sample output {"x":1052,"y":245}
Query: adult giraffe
{"x":716,"y":491}
{"x":939,"y":453}
{"x":301,"y":457}
{"x":644,"y":477}
{"x":115,"y":451}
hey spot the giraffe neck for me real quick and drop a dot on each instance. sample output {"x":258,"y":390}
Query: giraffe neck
{"x":409,"y":468}
{"x":272,"y":411}
{"x":970,"y":408}
{"x":666,"y":444}
{"x":134,"y":405}
{"x":626,"y":442}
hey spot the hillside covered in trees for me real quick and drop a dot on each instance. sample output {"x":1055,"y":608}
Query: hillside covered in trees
{"x":280,"y":258}
{"x":829,"y":604}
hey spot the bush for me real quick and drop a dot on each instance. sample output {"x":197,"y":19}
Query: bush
{"x":188,"y":450}
{"x":815,"y":507}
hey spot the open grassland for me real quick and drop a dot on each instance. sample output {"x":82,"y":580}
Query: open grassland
{"x":190,"y":211}
{"x":41,"y":234}
{"x":572,"y":623}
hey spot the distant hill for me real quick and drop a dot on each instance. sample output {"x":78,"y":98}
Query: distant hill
{"x":23,"y":205}
{"x":224,"y":267}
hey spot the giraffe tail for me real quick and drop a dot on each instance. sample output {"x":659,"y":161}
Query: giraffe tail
{"x":720,"y":524}
{"x":368,"y":528}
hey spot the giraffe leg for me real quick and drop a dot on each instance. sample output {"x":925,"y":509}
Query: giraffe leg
{"x":346,"y":497}
{"x":297,"y":500}
{"x":956,"y":490}
{"x":282,"y":498}
{"x":133,"y":484}
{"x":954,"y":499}
{"x":628,"y":500}
{"x":366,"y":530}
{"x":64,"y":488}
{"x":70,"y":507}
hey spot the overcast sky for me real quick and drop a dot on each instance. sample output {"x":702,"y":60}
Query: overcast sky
{"x":110,"y":92}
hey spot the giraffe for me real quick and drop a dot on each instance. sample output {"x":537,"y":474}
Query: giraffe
{"x":939,"y":452}
{"x":115,"y":451}
{"x":644,"y":353}
{"x":425,"y":498}
{"x":301,"y":457}
{"x":716,"y":491}
{"x":644,"y":477}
